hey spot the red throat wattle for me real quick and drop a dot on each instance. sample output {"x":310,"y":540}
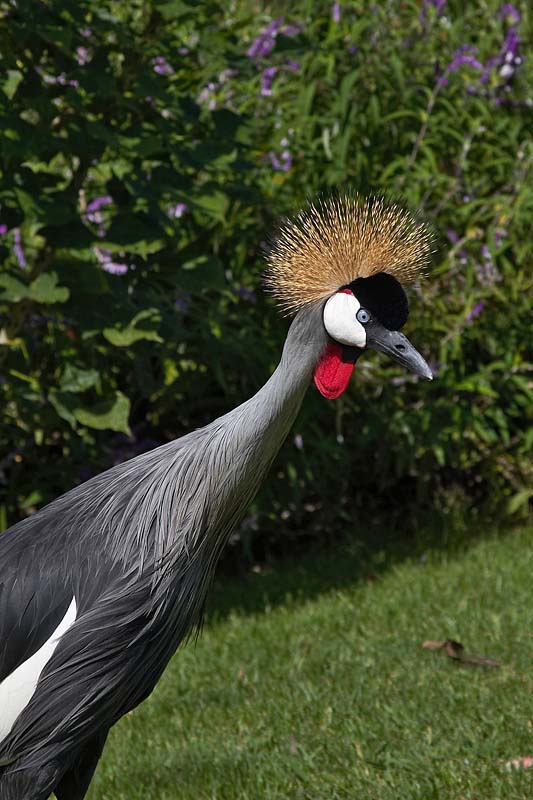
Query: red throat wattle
{"x":332,"y":374}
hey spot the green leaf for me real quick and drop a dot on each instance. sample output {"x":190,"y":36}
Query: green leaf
{"x":216,"y":204}
{"x":345,"y":98}
{"x":123,"y":336}
{"x":203,"y":272}
{"x":174,"y":9}
{"x":63,"y":406}
{"x":518,"y":500}
{"x":59,"y":35}
{"x":33,"y":499}
{"x":10,"y":85}
{"x":110,"y":414}
{"x":75,"y":379}
{"x":44,"y":209}
{"x":43,"y":289}
{"x":134,"y":233}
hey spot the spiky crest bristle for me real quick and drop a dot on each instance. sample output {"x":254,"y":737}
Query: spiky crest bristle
{"x":342,"y":238}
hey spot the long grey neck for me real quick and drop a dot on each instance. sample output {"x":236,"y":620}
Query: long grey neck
{"x":271,"y":412}
{"x":220,"y":467}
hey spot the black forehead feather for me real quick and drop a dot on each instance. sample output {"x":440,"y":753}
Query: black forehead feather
{"x":384,"y":297}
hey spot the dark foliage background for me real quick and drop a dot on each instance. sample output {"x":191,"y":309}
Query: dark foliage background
{"x":147,"y":150}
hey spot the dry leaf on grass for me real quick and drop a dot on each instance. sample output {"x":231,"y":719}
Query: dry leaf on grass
{"x":455,"y":650}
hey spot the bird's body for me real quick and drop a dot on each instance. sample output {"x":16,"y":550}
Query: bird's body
{"x":129,"y":620}
{"x":98,"y":589}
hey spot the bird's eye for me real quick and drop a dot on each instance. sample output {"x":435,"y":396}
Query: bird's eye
{"x":363,"y":316}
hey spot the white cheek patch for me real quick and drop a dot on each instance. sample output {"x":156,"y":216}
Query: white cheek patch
{"x":19,"y":687}
{"x":340,"y":320}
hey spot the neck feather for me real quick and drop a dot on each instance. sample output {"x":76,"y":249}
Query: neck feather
{"x":273,"y":409}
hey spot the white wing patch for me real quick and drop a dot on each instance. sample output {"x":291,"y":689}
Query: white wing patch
{"x":19,"y":687}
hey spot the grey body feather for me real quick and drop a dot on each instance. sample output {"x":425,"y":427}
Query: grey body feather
{"x":137,"y":547}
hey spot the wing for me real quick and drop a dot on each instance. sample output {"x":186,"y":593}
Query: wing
{"x":32,"y":603}
{"x":95,"y":598}
{"x":84,"y":635}
{"x":36,"y":607}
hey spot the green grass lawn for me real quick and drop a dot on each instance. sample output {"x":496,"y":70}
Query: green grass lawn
{"x":310,"y":681}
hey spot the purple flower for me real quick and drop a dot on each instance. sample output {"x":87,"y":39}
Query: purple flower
{"x":178,"y":210}
{"x":460,"y":59}
{"x":18,"y":249}
{"x":86,"y":33}
{"x":226,"y":74}
{"x":509,"y":56}
{"x":298,"y":441}
{"x":489,"y":66}
{"x":499,"y":236}
{"x":509,"y":11}
{"x":115,"y":269}
{"x":105,"y":259}
{"x":265,"y":42}
{"x":261,"y":47}
{"x":267,"y":79}
{"x":292,"y":65}
{"x":182,"y":301}
{"x":487,"y":271}
{"x":183,"y":51}
{"x":452,"y":236}
{"x":283,"y":163}
{"x":102,"y":255}
{"x":438,"y":5}
{"x":511,"y":44}
{"x":161,"y":66}
{"x":83,"y":55}
{"x":336,"y":12}
{"x":353,"y":49}
{"x":57,"y":80}
{"x":93,"y":214}
{"x":98,"y":202}
{"x":486,"y":254}
{"x":454,"y":239}
{"x":290,"y":30}
{"x":475,"y":312}
{"x":206,"y":96}
{"x":273,"y":28}
{"x":3,"y":230}
{"x":62,"y":80}
{"x":506,"y":63}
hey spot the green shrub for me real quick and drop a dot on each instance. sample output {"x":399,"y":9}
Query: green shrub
{"x":148,"y":149}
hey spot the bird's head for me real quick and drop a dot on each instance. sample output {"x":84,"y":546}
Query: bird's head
{"x":352,"y":255}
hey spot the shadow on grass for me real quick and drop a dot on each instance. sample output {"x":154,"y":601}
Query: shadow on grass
{"x":364,"y":557}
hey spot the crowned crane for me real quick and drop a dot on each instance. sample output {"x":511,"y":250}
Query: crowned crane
{"x":98,"y":589}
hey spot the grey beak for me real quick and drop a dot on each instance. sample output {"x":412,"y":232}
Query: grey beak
{"x":398,"y":347}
